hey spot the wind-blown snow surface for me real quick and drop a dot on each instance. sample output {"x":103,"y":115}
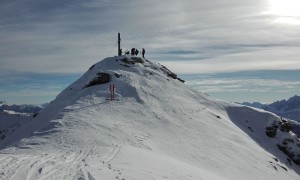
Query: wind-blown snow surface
{"x":157,"y":129}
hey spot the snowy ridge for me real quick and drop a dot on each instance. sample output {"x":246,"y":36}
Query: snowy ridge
{"x":158,"y":128}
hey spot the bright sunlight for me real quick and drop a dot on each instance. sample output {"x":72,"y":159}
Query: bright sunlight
{"x":285,"y":8}
{"x":287,"y":11}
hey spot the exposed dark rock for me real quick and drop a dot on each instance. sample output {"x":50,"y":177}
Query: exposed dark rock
{"x":283,"y":148}
{"x":137,"y":60}
{"x":101,"y":78}
{"x":35,"y":114}
{"x":290,"y":161}
{"x":282,"y":167}
{"x":181,"y":80}
{"x":92,"y":67}
{"x":297,"y":160}
{"x":125,"y":65}
{"x":290,"y":140}
{"x":172,"y":75}
{"x":127,"y":61}
{"x":286,"y":126}
{"x":250,"y":129}
{"x":283,"y":125}
{"x":2,"y":134}
{"x":117,"y":75}
{"x":271,"y":131}
{"x":289,"y":152}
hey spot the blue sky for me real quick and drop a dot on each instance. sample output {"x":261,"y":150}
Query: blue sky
{"x":233,"y":50}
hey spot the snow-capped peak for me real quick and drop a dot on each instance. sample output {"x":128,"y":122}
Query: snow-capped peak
{"x":130,"y":118}
{"x":2,"y":102}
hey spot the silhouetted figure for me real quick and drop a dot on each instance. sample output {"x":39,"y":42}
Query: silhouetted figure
{"x":121,"y":51}
{"x":127,"y":52}
{"x":136,"y":52}
{"x":132,"y":51}
{"x":143,"y":52}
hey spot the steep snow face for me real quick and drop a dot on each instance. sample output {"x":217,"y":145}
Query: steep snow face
{"x":155,"y":128}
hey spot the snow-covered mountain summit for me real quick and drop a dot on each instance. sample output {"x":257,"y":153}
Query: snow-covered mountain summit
{"x":154,"y":128}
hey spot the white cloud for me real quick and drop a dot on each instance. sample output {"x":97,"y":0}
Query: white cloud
{"x":277,"y":58}
{"x":191,"y":36}
{"x":69,"y":36}
{"x":243,"y":85}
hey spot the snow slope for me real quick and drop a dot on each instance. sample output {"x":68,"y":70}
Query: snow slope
{"x":157,"y":128}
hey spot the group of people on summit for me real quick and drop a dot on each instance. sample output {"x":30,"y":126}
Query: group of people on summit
{"x":134,"y":51}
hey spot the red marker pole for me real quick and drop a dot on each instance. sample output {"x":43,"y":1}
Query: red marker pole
{"x":113,"y":94}
{"x":112,"y":91}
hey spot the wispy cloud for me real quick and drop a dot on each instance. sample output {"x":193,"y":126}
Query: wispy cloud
{"x":277,"y":58}
{"x":268,"y":86}
{"x":191,"y":36}
{"x":68,"y":36}
{"x":243,"y":84}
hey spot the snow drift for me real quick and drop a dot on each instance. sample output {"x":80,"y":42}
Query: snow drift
{"x":156,"y":128}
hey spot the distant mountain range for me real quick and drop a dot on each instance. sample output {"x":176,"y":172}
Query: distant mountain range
{"x":24,"y":109}
{"x":12,"y":117}
{"x":286,"y":108}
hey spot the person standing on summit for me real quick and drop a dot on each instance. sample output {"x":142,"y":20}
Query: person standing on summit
{"x":132,"y":51}
{"x":136,"y":52}
{"x":143,"y":52}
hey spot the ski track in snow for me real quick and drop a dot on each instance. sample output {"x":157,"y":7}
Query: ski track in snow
{"x":75,"y":164}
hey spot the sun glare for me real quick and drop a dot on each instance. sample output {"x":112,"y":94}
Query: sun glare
{"x":286,"y":8}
